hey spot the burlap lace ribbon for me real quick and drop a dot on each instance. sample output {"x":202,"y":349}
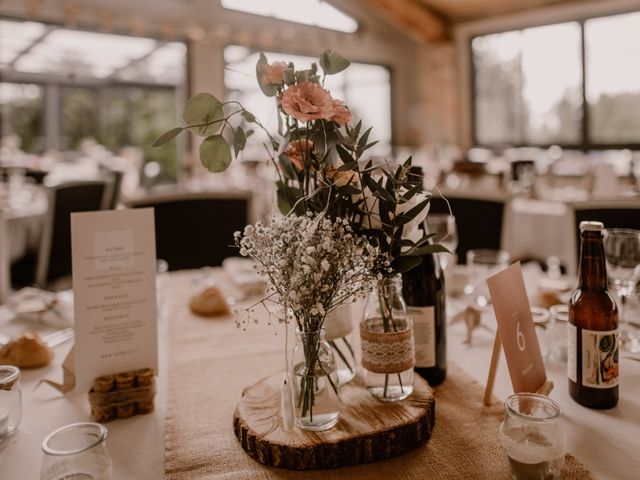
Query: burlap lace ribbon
{"x":386,"y":352}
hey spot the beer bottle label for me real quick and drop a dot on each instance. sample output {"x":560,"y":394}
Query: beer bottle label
{"x":599,"y":358}
{"x":424,"y":335}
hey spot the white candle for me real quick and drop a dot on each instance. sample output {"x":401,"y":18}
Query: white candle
{"x":4,"y":420}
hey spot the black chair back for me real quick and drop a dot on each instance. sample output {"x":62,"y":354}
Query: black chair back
{"x":479,"y":222}
{"x":54,"y":261}
{"x":196,"y":230}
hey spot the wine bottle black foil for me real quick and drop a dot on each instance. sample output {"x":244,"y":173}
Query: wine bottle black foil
{"x":423,"y":288}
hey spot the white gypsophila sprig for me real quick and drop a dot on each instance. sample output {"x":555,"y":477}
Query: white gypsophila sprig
{"x":312,"y":264}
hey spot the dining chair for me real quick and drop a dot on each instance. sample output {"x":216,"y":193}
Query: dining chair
{"x":480,"y":218}
{"x":618,"y":213}
{"x":54,"y":259}
{"x":195,"y":230}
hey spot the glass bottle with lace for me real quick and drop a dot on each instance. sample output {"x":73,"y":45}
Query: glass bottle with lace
{"x":386,"y":334}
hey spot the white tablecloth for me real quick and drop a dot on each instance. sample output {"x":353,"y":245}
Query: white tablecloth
{"x":607,"y":442}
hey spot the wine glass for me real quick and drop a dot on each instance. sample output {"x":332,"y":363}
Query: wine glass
{"x":622,"y":252}
{"x":443,"y":226}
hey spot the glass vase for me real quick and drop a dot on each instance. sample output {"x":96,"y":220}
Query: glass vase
{"x":386,"y":334}
{"x":317,"y":406}
{"x":338,"y":327}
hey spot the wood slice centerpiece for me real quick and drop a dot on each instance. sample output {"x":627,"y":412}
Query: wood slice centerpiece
{"x":367,"y":430}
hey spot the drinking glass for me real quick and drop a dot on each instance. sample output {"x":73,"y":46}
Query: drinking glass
{"x":10,"y":401}
{"x":560,"y":331}
{"x":533,"y":437}
{"x":543,"y":323}
{"x":76,"y":452}
{"x":481,"y":264}
{"x":622,"y":252}
{"x":446,"y":234}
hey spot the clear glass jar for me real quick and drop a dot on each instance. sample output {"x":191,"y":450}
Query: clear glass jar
{"x":10,"y":401}
{"x":77,"y":451}
{"x":560,"y":331}
{"x":338,"y":327}
{"x":533,"y":437}
{"x":386,"y":334}
{"x":315,"y":382}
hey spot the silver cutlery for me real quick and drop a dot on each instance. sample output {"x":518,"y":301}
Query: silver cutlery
{"x":52,"y":339}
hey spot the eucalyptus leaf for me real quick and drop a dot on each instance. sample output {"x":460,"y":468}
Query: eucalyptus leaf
{"x":332,"y":62}
{"x":239,"y":141}
{"x":205,"y":111}
{"x":166,"y":136}
{"x":268,"y":89}
{"x":248,"y":116}
{"x":215,"y":154}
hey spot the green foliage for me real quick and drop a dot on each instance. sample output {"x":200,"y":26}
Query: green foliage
{"x":203,"y":114}
{"x":332,"y":62}
{"x":215,"y":153}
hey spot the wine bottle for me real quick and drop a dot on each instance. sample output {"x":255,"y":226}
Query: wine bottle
{"x":592,"y":363}
{"x":423,"y":289}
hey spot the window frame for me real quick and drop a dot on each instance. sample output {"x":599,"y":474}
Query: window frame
{"x":44,"y":81}
{"x":586,"y":144}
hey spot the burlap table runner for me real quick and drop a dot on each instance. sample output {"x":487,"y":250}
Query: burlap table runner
{"x":211,"y":361}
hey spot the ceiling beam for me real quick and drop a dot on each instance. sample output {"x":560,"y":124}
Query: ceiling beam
{"x":159,"y":44}
{"x":416,"y":20}
{"x":30,"y":47}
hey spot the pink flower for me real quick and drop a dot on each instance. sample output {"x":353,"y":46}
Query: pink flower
{"x":273,"y":73}
{"x":341,"y":114}
{"x":297,"y":155}
{"x":308,"y":101}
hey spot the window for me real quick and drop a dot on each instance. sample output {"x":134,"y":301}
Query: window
{"x":528,"y":85}
{"x":125,"y":95}
{"x":356,"y":86}
{"x":613,"y":78}
{"x":308,"y":12}
{"x":21,"y":114}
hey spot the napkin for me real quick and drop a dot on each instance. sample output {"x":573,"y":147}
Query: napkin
{"x":48,"y":308}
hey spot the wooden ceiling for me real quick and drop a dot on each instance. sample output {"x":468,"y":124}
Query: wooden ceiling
{"x":431,"y":20}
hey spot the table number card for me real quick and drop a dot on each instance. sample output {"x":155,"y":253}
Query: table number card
{"x":516,"y":329}
{"x":114,"y":271}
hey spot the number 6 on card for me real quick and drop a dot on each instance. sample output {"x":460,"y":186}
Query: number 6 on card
{"x":516,"y":330}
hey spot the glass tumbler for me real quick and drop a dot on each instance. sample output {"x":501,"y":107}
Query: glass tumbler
{"x":560,"y":331}
{"x":533,"y":437}
{"x":481,"y":264}
{"x":543,"y":323}
{"x":76,"y":452}
{"x":10,"y":401}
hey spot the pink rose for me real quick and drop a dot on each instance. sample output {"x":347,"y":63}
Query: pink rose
{"x":273,"y":73}
{"x":339,"y":178}
{"x":307,"y":101}
{"x":297,"y":155}
{"x":341,"y":114}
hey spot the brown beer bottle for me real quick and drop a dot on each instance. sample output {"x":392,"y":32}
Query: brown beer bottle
{"x":592,"y":362}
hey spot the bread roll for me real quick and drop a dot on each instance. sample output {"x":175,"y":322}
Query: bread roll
{"x":26,"y":351}
{"x":209,"y":303}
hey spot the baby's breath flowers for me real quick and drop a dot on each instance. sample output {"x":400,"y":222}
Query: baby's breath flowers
{"x":312,"y":264}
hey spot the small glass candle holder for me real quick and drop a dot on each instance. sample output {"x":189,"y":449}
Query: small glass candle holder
{"x":560,"y":331}
{"x":533,"y":437}
{"x":77,"y":451}
{"x":10,"y":401}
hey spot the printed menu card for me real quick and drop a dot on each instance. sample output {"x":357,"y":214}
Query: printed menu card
{"x":114,"y":271}
{"x":516,"y":329}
